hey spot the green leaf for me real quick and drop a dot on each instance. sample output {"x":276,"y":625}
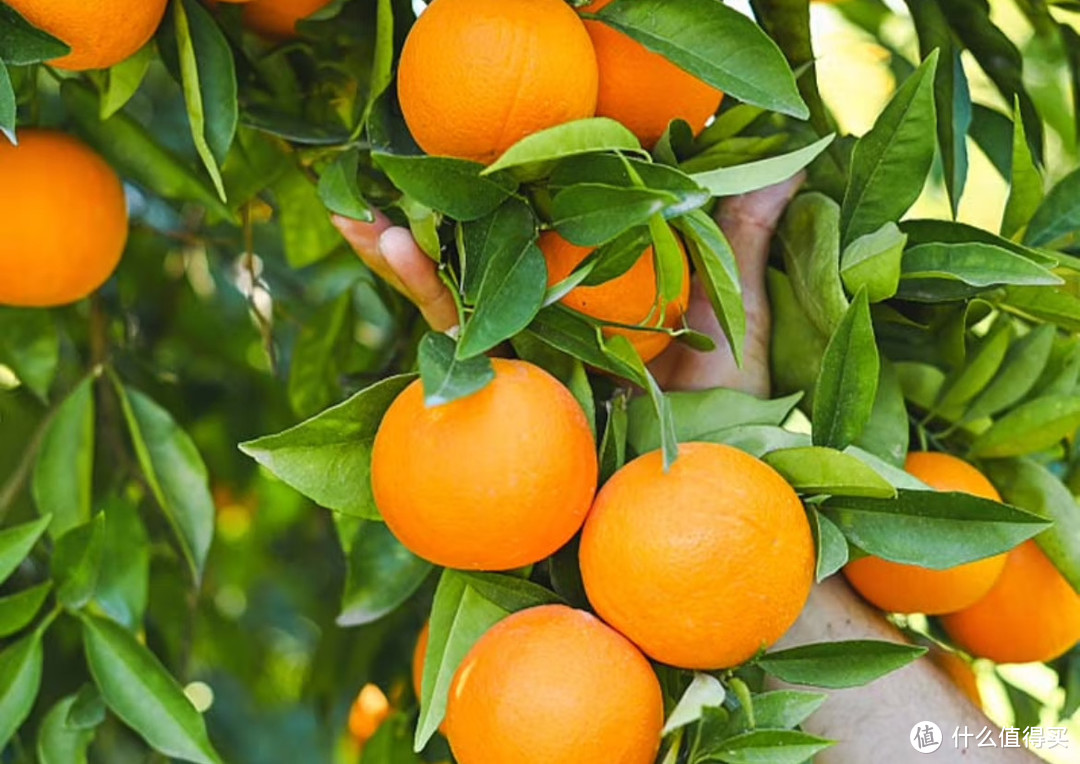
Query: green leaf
{"x":873,"y":261}
{"x":809,"y":238}
{"x":382,"y":66}
{"x":139,"y":690}
{"x":136,"y":154}
{"x":16,"y":543}
{"x":767,"y":747}
{"x":931,"y":529}
{"x":20,"y":679}
{"x":669,"y":260}
{"x":758,"y":439}
{"x":926,"y":231}
{"x":579,"y":337}
{"x":1058,"y":214}
{"x":315,"y":371}
{"x":382,"y":574}
{"x":23,"y":43}
{"x":796,"y":345}
{"x":62,"y":483}
{"x":1023,"y":365}
{"x":88,"y":710}
{"x":8,"y":106}
{"x":313,"y":456}
{"x":1033,"y":426}
{"x":445,"y":377}
{"x":816,"y":470}
{"x":890,"y":163}
{"x":974,"y":264}
{"x":629,"y":172}
{"x":175,"y":473}
{"x":306,"y":231}
{"x":18,"y":610}
{"x":780,"y":709}
{"x":837,"y":665}
{"x":123,"y":582}
{"x":59,"y":744}
{"x":718,"y":274}
{"x":451,"y":186}
{"x":590,"y":214}
{"x":1053,"y":305}
{"x":700,"y":414}
{"x":208,"y":78}
{"x":582,"y":136}
{"x":1026,"y":183}
{"x":122,"y":80}
{"x":510,"y":294}
{"x":980,"y":366}
{"x":992,"y":132}
{"x":847,"y":385}
{"x":392,"y":744}
{"x":886,"y":434}
{"x":498,"y":236}
{"x":716,"y":44}
{"x":339,"y":188}
{"x":704,"y":691}
{"x":1031,"y":486}
{"x":743,"y":178}
{"x":30,"y":347}
{"x":613,"y":443}
{"x":832,"y":547}
{"x":77,"y":560}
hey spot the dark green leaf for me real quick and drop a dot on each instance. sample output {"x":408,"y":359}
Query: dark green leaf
{"x":20,"y":679}
{"x":1033,"y":426}
{"x":932,"y":529}
{"x":88,"y":710}
{"x":847,"y":385}
{"x":886,"y":434}
{"x":809,"y":237}
{"x":123,"y":583}
{"x":141,"y":692}
{"x":22,"y":43}
{"x":18,"y":610}
{"x":580,"y":338}
{"x":836,"y":665}
{"x":16,"y":543}
{"x":974,"y":263}
{"x":77,"y":560}
{"x":314,"y":456}
{"x":925,"y":231}
{"x":1058,"y":214}
{"x":339,"y":188}
{"x":315,"y":372}
{"x":815,"y":471}
{"x":1026,"y":183}
{"x":446,"y":378}
{"x":306,"y":230}
{"x":590,"y":214}
{"x":579,"y":137}
{"x":382,"y":574}
{"x":63,"y":473}
{"x":980,"y":366}
{"x":30,"y":347}
{"x":451,"y":186}
{"x":1021,"y":369}
{"x":8,"y":107}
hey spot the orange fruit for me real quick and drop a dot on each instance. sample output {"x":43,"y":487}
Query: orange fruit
{"x":100,"y":34}
{"x":419,"y":657}
{"x":63,"y":220}
{"x":959,"y":671}
{"x":899,"y":588}
{"x":477,"y":76}
{"x":1031,"y":613}
{"x":644,"y":90}
{"x":496,"y":480}
{"x":629,"y":299}
{"x":370,"y":709}
{"x":553,"y":685}
{"x":702,"y":566}
{"x":277,"y":19}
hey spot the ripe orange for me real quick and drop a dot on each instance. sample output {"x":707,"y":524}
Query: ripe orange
{"x":552,"y":685}
{"x":277,"y":19}
{"x":959,"y":671}
{"x":703,"y":565}
{"x":100,"y":34}
{"x":63,"y":220}
{"x":644,"y":90}
{"x":477,"y":76}
{"x":370,"y":709}
{"x":496,"y":480}
{"x":902,"y":588}
{"x":629,"y":299}
{"x":1031,"y":613}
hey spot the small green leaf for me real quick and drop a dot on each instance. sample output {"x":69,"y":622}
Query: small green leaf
{"x":780,"y":709}
{"x":59,"y":744}
{"x":931,"y":529}
{"x":124,"y":580}
{"x":21,"y":665}
{"x":339,"y":188}
{"x":30,"y":347}
{"x":23,"y":43}
{"x":620,"y":348}
{"x":8,"y":106}
{"x":382,"y":574}
{"x":980,"y":366}
{"x":873,"y":261}
{"x":315,"y":371}
{"x":816,"y":471}
{"x":18,"y":610}
{"x":141,"y":692}
{"x":768,"y":747}
{"x":122,"y":80}
{"x":1058,"y":214}
{"x":978,"y":265}
{"x":1033,"y":426}
{"x":445,"y":377}
{"x":579,"y":337}
{"x":306,"y":231}
{"x":63,"y":473}
{"x":16,"y":543}
{"x":613,"y":443}
{"x":837,"y":665}
{"x":1023,"y":365}
{"x":590,"y":214}
{"x":451,"y":186}
{"x":704,"y":691}
{"x":743,"y":178}
{"x":847,"y":385}
{"x":809,"y":238}
{"x":579,"y":137}
{"x":670,"y":261}
{"x":832,"y":547}
{"x":1026,"y":182}
{"x":886,"y":434}
{"x":77,"y":561}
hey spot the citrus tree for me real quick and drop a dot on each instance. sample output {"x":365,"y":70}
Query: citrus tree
{"x":254,"y":508}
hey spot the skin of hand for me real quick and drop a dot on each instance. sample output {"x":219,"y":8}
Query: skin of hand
{"x":871,"y":723}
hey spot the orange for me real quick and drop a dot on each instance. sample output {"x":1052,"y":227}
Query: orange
{"x":629,"y":299}
{"x":63,"y":220}
{"x":553,"y":685}
{"x":1031,"y":613}
{"x":702,"y":566}
{"x":277,"y":19}
{"x":496,"y":480}
{"x":100,"y":33}
{"x":900,"y":588}
{"x":418,"y":659}
{"x":368,"y":712}
{"x":959,"y":671}
{"x":477,"y":76}
{"x":644,"y":90}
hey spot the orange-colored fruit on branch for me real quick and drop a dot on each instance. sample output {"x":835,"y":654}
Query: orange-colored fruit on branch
{"x":277,"y":19}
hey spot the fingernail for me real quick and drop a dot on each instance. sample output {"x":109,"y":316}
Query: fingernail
{"x":364,"y":237}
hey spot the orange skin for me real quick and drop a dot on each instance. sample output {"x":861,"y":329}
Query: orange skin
{"x":100,"y":33}
{"x":553,"y":685}
{"x":899,"y":588}
{"x":644,"y":90}
{"x":959,"y":671}
{"x":701,"y":566}
{"x":370,"y":709}
{"x":629,"y":299}
{"x":276,"y":19}
{"x":477,"y":76}
{"x":51,"y":177}
{"x":1031,"y":614}
{"x":493,"y":481}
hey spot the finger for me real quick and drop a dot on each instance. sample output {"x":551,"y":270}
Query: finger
{"x":364,"y":239}
{"x":418,"y":275}
{"x":749,"y":222}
